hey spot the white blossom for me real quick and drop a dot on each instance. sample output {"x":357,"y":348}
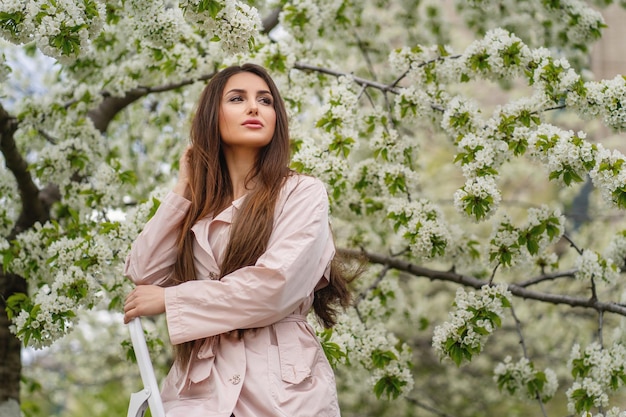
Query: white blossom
{"x":464,"y":329}
{"x":590,"y":265}
{"x":478,"y":198}
{"x":518,"y":375}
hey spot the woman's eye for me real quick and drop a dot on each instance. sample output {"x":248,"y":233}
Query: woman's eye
{"x":266,"y":100}
{"x":235,"y":98}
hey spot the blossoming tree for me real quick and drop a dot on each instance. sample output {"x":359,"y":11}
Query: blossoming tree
{"x":471,"y":175}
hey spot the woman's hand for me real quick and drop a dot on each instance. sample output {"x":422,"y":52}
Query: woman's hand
{"x":184,"y":171}
{"x":144,"y":300}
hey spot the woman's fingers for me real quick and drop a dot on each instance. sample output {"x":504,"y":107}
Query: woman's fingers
{"x":144,"y":300}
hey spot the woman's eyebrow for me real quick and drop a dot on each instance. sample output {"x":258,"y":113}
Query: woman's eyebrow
{"x":242,"y":91}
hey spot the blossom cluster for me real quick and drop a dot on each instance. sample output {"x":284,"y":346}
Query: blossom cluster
{"x":511,"y":245}
{"x":591,"y":265}
{"x":339,"y":109}
{"x":523,"y":379}
{"x":568,"y":25}
{"x":236,"y":26}
{"x":597,"y":371}
{"x":474,"y":319}
{"x":413,"y":103}
{"x":517,"y":126}
{"x":303,"y":18}
{"x":613,"y":412}
{"x":422,"y":225}
{"x":479,"y":198}
{"x":499,"y":55}
{"x":165,"y":30}
{"x":306,"y":21}
{"x":461,"y":118}
{"x":378,"y":351}
{"x":78,"y":269}
{"x":62,"y":29}
{"x":567,"y":156}
{"x":609,"y":175}
{"x":616,"y":250}
{"x":603,"y":99}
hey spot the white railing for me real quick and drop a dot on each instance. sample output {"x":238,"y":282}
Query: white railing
{"x":150,"y":395}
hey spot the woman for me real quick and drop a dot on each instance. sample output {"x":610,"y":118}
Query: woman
{"x":235,"y":257}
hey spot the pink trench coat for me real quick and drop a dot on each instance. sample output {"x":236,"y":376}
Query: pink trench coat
{"x":279,"y":369}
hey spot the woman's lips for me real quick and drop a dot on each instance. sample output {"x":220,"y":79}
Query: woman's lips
{"x":254,"y":124}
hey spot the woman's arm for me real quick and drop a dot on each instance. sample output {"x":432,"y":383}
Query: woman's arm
{"x":299,"y":251}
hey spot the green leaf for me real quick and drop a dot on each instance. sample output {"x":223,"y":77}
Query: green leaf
{"x":68,"y":39}
{"x":155,"y":205}
{"x":341,"y":145}
{"x":333,"y":352}
{"x":507,"y":381}
{"x":389,"y":385}
{"x":535,"y":385}
{"x":457,"y":352}
{"x":10,"y":21}
{"x":582,"y":402}
{"x":479,"y":62}
{"x":579,"y":368}
{"x":381,"y":358}
{"x":619,"y":196}
{"x":16,"y":303}
{"x":213,"y":7}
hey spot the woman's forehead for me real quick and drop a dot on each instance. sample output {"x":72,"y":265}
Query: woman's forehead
{"x":246,"y":81}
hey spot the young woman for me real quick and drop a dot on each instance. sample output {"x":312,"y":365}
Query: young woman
{"x":236,"y":255}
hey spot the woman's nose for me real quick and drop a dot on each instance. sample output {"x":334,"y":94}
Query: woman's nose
{"x":253,"y":107}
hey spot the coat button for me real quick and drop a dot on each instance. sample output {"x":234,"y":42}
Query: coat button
{"x":212,"y":275}
{"x":235,"y":379}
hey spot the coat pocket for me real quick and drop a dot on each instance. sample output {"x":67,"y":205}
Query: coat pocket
{"x":303,"y":387}
{"x":290,"y":365}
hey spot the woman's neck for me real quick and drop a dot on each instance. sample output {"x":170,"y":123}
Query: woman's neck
{"x":239,"y":166}
{"x":240,"y":189}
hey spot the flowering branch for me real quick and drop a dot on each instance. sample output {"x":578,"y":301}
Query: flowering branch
{"x":522,"y":342}
{"x":379,"y":278}
{"x":469,"y":281}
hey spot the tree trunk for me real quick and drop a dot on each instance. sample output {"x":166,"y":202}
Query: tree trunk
{"x":10,"y":348}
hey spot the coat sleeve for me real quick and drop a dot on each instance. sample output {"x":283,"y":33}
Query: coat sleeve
{"x":153,"y":253}
{"x":298,"y":253}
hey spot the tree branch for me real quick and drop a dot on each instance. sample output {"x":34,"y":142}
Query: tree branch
{"x":469,"y":281}
{"x":102,"y":115}
{"x":271,"y":20}
{"x":361,"y":81}
{"x":33,"y":209}
{"x":110,"y":106}
{"x":428,"y":408}
{"x":548,"y":277}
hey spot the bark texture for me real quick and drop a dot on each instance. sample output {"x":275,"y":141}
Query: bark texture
{"x":10,"y":346}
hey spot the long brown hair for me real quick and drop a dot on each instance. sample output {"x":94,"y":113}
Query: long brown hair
{"x":211,"y":191}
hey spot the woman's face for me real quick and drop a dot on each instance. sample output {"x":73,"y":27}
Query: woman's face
{"x":247,"y":117}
